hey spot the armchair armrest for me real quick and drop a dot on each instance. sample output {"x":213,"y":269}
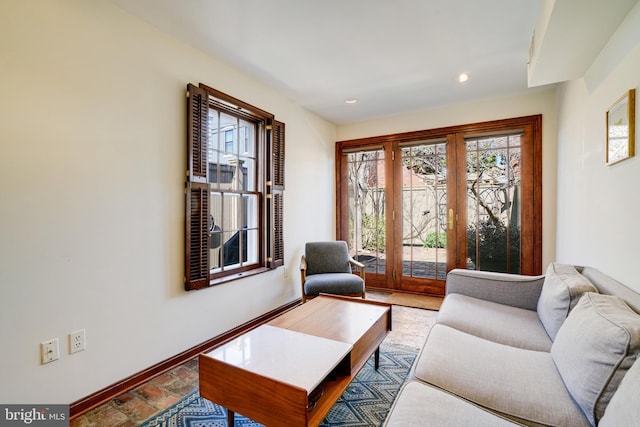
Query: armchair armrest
{"x":303,"y":269}
{"x":358,"y":264}
{"x":510,"y":289}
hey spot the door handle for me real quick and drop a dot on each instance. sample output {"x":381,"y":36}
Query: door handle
{"x":450,"y":219}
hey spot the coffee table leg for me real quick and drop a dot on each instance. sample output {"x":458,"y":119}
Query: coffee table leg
{"x":376,"y":358}
{"x":230,"y":418}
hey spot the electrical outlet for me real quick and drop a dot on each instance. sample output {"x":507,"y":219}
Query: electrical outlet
{"x":286,"y":273}
{"x":77,"y":341}
{"x":49,"y":351}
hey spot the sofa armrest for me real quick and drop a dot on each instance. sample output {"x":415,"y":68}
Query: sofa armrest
{"x":511,"y":289}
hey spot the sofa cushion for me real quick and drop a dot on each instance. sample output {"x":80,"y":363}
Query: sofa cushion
{"x":419,"y":404}
{"x":610,"y":286}
{"x":563,"y":286}
{"x":516,"y":290}
{"x":594,"y":348}
{"x":496,"y":322}
{"x":623,"y":410}
{"x":522,"y":385}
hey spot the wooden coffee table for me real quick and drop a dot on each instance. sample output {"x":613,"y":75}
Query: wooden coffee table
{"x":292,"y":370}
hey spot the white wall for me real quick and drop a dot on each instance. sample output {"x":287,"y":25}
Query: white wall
{"x":536,"y":102}
{"x":92,"y":161}
{"x":598,"y":205}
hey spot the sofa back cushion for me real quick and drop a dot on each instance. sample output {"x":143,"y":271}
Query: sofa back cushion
{"x":562,"y":288}
{"x":623,"y":410}
{"x":594,"y":348}
{"x":610,"y":286}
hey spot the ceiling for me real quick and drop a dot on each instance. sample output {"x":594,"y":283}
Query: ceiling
{"x":393,"y":56}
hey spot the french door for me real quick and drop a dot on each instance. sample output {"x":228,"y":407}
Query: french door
{"x":414,"y":206}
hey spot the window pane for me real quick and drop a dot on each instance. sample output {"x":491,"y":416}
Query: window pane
{"x":215,"y":209}
{"x":212,"y":146}
{"x":246,"y":174}
{"x":493,"y":204}
{"x":215,"y":230}
{"x":247,"y":139}
{"x":229,"y":141}
{"x":251,"y":248}
{"x":214,"y":167}
{"x":212,"y":142}
{"x":230,"y":254}
{"x":231,"y":212}
{"x":234,"y":169}
{"x":228,"y":134}
{"x":366,"y":209}
{"x":424,"y":210}
{"x":226,"y":173}
{"x":251,"y":211}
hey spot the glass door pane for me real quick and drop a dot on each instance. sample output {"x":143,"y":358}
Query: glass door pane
{"x":494,"y":203}
{"x":424,"y":210}
{"x":366,"y":199}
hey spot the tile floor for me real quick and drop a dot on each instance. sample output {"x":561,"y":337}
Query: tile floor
{"x":410,"y":328}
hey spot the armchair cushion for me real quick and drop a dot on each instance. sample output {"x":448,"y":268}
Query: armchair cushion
{"x":327,"y":257}
{"x":333,"y":283}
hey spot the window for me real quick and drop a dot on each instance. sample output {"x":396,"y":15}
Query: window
{"x":234,"y":188}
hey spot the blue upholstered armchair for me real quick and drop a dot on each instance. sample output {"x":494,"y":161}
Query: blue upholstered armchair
{"x":325,"y":267}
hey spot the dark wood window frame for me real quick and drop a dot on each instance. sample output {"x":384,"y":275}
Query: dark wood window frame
{"x":270,"y":135}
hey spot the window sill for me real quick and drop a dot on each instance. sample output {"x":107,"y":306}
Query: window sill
{"x":236,"y":276}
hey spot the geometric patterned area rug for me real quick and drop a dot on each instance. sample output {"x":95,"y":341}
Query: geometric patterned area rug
{"x":365,"y":402}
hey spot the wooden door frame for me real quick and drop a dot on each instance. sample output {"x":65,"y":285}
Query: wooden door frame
{"x":428,"y":286}
{"x":342,"y":199}
{"x":531,"y":250}
{"x":531,"y":247}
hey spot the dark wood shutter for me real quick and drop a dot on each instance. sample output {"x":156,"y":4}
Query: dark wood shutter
{"x":197,"y":133}
{"x":277,"y":257}
{"x":197,"y":235}
{"x":197,"y":191}
{"x":277,"y":143}
{"x":275,"y":193}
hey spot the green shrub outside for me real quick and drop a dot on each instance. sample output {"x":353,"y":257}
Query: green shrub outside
{"x":494,"y":255}
{"x":373,"y":233}
{"x":435,"y":240}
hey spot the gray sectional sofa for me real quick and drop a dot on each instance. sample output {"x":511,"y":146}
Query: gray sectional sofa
{"x":507,"y":350}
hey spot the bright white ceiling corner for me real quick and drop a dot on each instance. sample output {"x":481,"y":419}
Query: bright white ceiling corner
{"x":394,"y":56}
{"x":569,"y":35}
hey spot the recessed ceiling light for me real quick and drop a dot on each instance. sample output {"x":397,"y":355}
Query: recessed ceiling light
{"x":463,"y":77}
{"x":350,"y":101}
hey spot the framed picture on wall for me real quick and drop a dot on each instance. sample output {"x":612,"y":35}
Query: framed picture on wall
{"x":621,"y":129}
